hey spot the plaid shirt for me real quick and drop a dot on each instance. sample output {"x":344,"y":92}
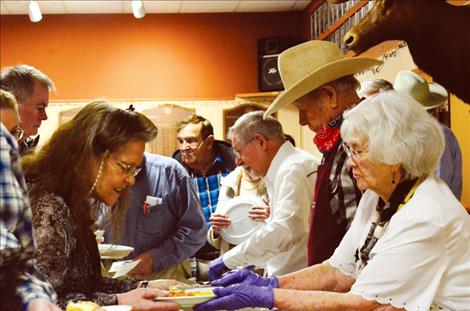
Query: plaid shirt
{"x":17,"y":245}
{"x":207,"y":187}
{"x":345,"y":195}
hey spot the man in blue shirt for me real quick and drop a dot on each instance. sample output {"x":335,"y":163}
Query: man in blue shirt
{"x":207,"y":160}
{"x":450,"y":166}
{"x":432,"y":96}
{"x":164,"y":222}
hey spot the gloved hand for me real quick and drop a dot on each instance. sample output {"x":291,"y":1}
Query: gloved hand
{"x":246,"y":276}
{"x":216,"y":268}
{"x":239,"y":296}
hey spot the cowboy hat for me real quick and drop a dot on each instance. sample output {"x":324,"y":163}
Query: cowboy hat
{"x":307,"y":66}
{"x":429,"y":95}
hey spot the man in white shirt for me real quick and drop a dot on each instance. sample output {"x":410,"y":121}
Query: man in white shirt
{"x":289,"y":174}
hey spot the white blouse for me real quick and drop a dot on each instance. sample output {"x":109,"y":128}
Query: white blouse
{"x":423,"y":258}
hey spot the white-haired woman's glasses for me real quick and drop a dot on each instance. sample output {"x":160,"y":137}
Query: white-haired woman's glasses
{"x":353,"y":153}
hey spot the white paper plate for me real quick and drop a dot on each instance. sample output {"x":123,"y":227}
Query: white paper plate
{"x":112,"y":251}
{"x":242,"y":226}
{"x":190,"y":301}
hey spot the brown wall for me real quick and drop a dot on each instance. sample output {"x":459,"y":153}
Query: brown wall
{"x":161,"y":56}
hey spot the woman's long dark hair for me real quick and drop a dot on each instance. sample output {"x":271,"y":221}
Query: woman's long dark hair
{"x":63,"y":164}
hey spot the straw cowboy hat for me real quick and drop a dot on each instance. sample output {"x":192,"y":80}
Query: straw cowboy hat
{"x":430,"y":95}
{"x":307,"y":66}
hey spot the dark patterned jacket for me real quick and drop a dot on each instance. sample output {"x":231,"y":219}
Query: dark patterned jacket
{"x":74,"y":274}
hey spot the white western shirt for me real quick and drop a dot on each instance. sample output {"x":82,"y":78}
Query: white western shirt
{"x":281,"y":245}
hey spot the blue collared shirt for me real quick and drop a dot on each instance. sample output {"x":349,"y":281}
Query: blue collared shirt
{"x":207,"y":187}
{"x":450,"y":166}
{"x":172,"y":227}
{"x":17,"y":244}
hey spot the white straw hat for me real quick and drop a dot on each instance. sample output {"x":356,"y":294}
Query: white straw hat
{"x":430,"y":95}
{"x":307,"y":66}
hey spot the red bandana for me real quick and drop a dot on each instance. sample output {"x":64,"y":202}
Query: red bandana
{"x":326,"y":138}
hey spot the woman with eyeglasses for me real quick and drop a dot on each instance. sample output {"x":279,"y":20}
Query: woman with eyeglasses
{"x":91,"y":159}
{"x":408,"y":246}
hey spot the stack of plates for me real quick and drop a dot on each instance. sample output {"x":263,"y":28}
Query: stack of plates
{"x":112,"y":251}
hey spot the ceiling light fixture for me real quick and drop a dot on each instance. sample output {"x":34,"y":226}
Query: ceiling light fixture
{"x":34,"y":11}
{"x":138,"y":8}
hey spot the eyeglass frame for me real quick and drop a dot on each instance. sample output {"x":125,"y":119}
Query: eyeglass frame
{"x":352,"y":153}
{"x":127,"y":169}
{"x":236,"y":152}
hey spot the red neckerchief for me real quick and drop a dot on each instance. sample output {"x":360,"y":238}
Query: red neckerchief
{"x":326,"y":138}
{"x":329,"y":135}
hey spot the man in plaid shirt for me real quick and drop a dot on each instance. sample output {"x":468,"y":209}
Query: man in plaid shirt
{"x":207,"y":160}
{"x":22,"y":285}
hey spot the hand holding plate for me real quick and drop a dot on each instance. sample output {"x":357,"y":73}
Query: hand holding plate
{"x":246,"y":276}
{"x":219,"y":221}
{"x":239,"y":296}
{"x":145,"y":265}
{"x":216,"y":268}
{"x":259,"y":213}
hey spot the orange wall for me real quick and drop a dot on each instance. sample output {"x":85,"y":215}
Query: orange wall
{"x":162,"y":56}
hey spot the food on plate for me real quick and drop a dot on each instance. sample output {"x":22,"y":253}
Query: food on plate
{"x":178,"y":291}
{"x":83,"y":306}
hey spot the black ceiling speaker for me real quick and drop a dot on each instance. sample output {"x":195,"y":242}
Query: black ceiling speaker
{"x":268,"y":53}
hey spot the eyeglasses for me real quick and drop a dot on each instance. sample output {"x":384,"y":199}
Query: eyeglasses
{"x":129,"y":170}
{"x":352,"y":153}
{"x":237,"y":151}
{"x":18,"y":133}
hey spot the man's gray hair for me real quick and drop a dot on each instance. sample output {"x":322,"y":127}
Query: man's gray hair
{"x":252,"y":123}
{"x":397,"y":131}
{"x":374,"y":86}
{"x":20,"y":80}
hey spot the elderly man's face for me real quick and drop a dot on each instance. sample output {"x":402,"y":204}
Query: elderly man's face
{"x":192,"y":146}
{"x":251,"y":156}
{"x":33,"y":111}
{"x":314,"y":109}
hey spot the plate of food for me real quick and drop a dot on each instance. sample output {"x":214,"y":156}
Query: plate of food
{"x":242,"y":226}
{"x":189,"y":297}
{"x":113,"y":251}
{"x":91,"y":306}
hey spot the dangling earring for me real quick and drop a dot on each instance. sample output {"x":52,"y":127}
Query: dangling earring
{"x":98,"y":176}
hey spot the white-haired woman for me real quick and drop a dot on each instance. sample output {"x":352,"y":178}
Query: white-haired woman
{"x":409,"y":244}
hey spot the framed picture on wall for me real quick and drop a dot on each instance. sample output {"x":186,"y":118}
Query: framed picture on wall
{"x":232,"y":114}
{"x":166,"y":117}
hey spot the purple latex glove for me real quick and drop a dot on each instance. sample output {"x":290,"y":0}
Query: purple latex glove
{"x":246,"y":276}
{"x":216,"y":268}
{"x":239,"y":296}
